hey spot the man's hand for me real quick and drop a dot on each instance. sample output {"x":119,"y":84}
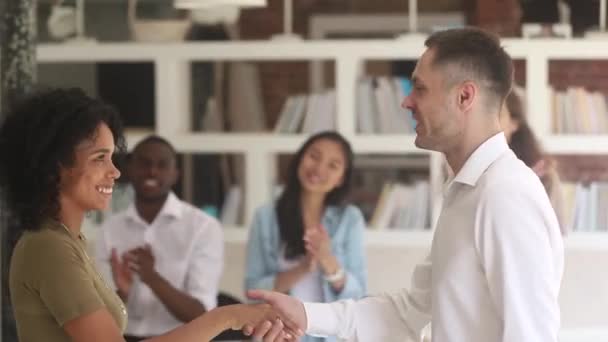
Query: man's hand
{"x":122,"y":275}
{"x":290,"y":310}
{"x":141,"y":261}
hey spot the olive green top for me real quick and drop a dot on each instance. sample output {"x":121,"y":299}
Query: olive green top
{"x":52,"y":281}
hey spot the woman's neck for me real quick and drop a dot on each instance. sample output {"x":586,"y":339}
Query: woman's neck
{"x":312,"y":209}
{"x":72,"y":220}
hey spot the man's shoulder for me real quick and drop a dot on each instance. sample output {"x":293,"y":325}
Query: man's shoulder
{"x":197,"y":217}
{"x":511,"y":181}
{"x":510,"y":174}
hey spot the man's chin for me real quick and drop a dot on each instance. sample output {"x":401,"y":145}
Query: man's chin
{"x":421,"y":143}
{"x":151,"y":197}
{"x":425,"y":144}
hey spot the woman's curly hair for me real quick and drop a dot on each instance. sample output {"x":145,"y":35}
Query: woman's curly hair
{"x":38,"y":138}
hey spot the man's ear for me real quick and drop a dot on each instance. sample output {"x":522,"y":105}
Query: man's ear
{"x":175,"y":176}
{"x":467,"y":95}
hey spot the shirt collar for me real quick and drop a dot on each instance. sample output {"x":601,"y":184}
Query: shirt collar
{"x":331,"y":215}
{"x":486,"y":154}
{"x":331,"y":218}
{"x":171,"y":208}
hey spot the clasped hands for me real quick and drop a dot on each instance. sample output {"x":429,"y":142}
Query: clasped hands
{"x":139,"y":260}
{"x":318,"y":250}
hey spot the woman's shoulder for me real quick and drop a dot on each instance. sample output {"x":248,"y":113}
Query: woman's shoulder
{"x":48,"y":242}
{"x":266,"y":211}
{"x":348,"y":211}
{"x":345,"y":215}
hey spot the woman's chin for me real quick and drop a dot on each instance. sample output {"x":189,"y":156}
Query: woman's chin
{"x":101,"y":206}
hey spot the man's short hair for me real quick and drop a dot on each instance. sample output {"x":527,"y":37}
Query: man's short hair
{"x":474,"y":54}
{"x":155,"y":139}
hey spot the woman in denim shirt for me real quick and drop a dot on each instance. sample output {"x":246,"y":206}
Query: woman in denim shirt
{"x":308,"y":243}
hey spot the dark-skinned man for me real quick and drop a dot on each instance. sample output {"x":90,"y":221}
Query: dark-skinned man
{"x":165,"y":255}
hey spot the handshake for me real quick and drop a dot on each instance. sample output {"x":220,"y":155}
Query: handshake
{"x":279,"y":318}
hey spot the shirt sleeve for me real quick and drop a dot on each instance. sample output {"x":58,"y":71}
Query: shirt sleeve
{"x":62,"y":280}
{"x":205,"y":269}
{"x":257,"y":274}
{"x":396,"y":317}
{"x":355,"y":267}
{"x":519,"y":244}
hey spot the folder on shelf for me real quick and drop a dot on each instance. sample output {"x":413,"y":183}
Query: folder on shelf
{"x":232,"y":206}
{"x":245,"y":106}
{"x":367,"y":108}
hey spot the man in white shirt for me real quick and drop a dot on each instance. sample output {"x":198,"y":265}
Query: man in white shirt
{"x":496,"y":261}
{"x":165,"y":255}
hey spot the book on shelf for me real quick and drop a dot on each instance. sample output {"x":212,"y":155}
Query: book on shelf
{"x":586,"y":206}
{"x":307,"y":113}
{"x":245,"y":101}
{"x":379,"y":105}
{"x":367,"y":109}
{"x":579,"y":111}
{"x":402,"y":206}
{"x":378,"y":109}
{"x":231,"y":208}
{"x":213,"y":120}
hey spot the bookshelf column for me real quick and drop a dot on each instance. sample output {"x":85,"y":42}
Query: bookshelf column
{"x":347,"y":72}
{"x":537,"y":94}
{"x":172,"y":94}
{"x":260,"y":175}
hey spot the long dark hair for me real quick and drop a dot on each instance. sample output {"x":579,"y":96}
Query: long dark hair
{"x":523,"y":142}
{"x":288,"y":207}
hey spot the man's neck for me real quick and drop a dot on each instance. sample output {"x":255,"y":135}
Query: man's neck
{"x":458,"y":155}
{"x":148,"y":209}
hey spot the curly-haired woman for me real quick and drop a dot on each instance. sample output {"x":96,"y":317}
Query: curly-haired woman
{"x":55,"y":165}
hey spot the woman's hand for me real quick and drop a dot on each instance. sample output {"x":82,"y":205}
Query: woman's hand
{"x":266,"y":320}
{"x":250,"y":314}
{"x":318,"y":243}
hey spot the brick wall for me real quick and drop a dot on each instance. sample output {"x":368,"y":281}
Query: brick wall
{"x":500,"y":16}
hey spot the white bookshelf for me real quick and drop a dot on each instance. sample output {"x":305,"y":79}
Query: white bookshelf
{"x":172,"y":90}
{"x":393,"y":252}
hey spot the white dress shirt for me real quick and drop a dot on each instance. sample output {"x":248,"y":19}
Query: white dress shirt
{"x":188,"y":249}
{"x":494,"y":270}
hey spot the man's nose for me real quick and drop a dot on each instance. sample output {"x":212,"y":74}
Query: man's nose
{"x":407,"y":102}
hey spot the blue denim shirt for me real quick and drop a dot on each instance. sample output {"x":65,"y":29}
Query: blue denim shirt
{"x":345,"y":227}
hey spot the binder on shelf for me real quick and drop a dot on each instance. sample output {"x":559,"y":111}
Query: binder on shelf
{"x":231,"y":207}
{"x":245,"y":105}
